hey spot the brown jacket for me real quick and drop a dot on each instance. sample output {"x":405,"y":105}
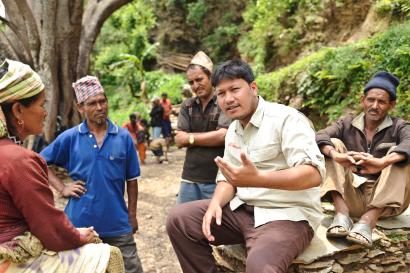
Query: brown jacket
{"x":391,"y":132}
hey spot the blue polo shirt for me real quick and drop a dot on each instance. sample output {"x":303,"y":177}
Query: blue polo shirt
{"x":104,"y":171}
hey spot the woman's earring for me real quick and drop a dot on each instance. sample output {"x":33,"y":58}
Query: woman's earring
{"x":20,"y":124}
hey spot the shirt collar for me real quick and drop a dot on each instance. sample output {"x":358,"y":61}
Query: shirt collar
{"x":213,"y":100}
{"x":83,"y":128}
{"x":358,"y":122}
{"x":257,"y":117}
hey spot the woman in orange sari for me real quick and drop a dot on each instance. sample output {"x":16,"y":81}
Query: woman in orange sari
{"x":138,"y":134}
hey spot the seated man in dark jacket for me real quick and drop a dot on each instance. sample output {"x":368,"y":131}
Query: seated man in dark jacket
{"x":368,"y":173}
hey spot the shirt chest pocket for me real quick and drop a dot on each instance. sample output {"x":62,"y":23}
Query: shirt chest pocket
{"x":264,"y":156}
{"x":114,"y":167}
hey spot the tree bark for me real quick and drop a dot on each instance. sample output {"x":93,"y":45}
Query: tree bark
{"x":56,"y":38}
{"x":95,"y":15}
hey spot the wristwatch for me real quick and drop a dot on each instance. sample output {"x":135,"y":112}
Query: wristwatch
{"x":191,"y":139}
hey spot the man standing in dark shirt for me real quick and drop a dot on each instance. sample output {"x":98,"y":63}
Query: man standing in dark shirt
{"x":156,"y":117}
{"x":201,"y":128}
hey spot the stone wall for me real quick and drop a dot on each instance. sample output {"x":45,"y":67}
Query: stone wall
{"x":390,"y":253}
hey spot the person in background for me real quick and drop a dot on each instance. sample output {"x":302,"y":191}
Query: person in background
{"x":159,"y":148}
{"x":267,"y":195}
{"x":201,"y":129}
{"x":146,"y":126}
{"x":101,"y":159}
{"x":166,"y":121}
{"x":187,"y":91}
{"x":31,"y":228}
{"x":367,"y":163}
{"x":157,"y":112}
{"x":137,"y":131}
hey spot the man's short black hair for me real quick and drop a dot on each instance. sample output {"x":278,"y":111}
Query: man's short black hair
{"x":233,"y":69}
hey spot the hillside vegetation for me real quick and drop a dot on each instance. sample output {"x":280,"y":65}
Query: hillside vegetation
{"x":330,"y":82}
{"x":314,"y":54}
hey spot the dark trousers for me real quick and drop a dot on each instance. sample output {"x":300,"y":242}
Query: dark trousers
{"x":270,"y":248}
{"x":128,"y":249}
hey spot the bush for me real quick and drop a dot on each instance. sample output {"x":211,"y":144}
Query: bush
{"x":332,"y":80}
{"x":122,"y":103}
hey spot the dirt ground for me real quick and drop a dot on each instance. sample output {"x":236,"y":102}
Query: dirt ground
{"x":157,"y":193}
{"x":158,"y":187}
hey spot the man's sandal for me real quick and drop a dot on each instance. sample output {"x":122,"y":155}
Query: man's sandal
{"x":364,"y":230}
{"x":340,"y":221}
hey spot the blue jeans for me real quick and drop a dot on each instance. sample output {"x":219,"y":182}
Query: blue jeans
{"x":156,"y":132}
{"x":195,"y":191}
{"x":166,"y":128}
{"x":128,"y":249}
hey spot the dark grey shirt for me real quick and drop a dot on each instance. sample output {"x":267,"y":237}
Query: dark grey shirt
{"x":350,"y":130}
{"x":199,"y":165}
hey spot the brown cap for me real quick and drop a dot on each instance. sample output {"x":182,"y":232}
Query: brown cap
{"x":202,"y":59}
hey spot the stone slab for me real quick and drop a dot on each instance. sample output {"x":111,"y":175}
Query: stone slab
{"x":401,"y":221}
{"x":322,"y":247}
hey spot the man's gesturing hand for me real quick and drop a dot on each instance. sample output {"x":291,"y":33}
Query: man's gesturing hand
{"x":238,"y":176}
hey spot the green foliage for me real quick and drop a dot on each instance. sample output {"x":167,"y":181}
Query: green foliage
{"x":158,"y":82}
{"x":276,"y":28}
{"x":120,"y":58}
{"x":397,"y":8}
{"x":122,"y":103}
{"x":123,"y":44}
{"x":210,"y":25}
{"x":397,"y":237}
{"x":332,"y":80}
{"x":196,"y":12}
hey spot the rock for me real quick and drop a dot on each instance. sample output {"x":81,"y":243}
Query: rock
{"x":407,"y":258}
{"x":388,"y":254}
{"x":148,"y":216}
{"x":352,"y":257}
{"x":390,"y":260}
{"x":385,"y":243}
{"x":375,"y":268}
{"x":391,"y":268}
{"x":318,"y":265}
{"x":374,"y":253}
{"x":337,"y":268}
{"x":392,"y":249}
{"x":358,"y":271}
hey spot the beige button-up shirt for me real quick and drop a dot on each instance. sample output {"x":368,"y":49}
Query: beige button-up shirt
{"x":276,"y":138}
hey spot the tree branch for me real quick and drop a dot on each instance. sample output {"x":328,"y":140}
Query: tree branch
{"x":7,"y":46}
{"x":31,"y":28}
{"x":97,"y":11}
{"x":16,"y":22}
{"x":25,"y":57}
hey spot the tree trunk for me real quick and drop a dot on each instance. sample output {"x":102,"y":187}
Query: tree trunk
{"x":55,"y":37}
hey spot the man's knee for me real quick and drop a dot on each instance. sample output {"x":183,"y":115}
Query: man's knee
{"x":186,"y":216}
{"x":339,"y":145}
{"x":174,"y":219}
{"x":254,"y":264}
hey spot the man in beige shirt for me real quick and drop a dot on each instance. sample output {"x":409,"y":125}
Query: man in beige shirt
{"x":267,"y":195}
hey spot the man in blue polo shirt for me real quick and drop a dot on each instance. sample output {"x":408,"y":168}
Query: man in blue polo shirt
{"x":99,"y":156}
